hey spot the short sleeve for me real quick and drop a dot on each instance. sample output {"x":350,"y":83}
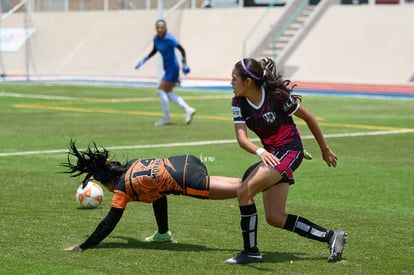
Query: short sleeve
{"x":237,"y":111}
{"x":174,"y":42}
{"x":291,"y":105}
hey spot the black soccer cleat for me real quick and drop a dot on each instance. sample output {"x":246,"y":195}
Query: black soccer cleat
{"x":336,"y":246}
{"x":245,"y":257}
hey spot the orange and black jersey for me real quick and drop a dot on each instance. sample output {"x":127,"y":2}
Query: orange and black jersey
{"x":149,"y":179}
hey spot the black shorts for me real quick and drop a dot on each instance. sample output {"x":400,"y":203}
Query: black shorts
{"x":191,"y":174}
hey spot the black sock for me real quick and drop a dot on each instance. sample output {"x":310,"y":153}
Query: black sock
{"x":306,"y":228}
{"x":248,"y":224}
{"x":160,"y":208}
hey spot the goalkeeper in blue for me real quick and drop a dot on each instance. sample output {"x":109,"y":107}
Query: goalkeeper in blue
{"x":165,"y":44}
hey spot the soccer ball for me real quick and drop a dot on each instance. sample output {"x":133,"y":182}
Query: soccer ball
{"x":91,"y":196}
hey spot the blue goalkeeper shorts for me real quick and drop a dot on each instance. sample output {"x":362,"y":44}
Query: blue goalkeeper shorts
{"x":172,"y":74}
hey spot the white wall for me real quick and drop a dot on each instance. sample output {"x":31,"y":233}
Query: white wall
{"x":349,"y":44}
{"x":352,"y":43}
{"x":110,"y":44}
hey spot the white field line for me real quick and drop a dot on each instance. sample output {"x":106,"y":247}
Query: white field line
{"x":96,"y":100}
{"x":2,"y":93}
{"x":206,"y":142}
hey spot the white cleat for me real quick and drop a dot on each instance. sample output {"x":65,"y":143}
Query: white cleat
{"x":163,"y":122}
{"x":189,"y":115}
{"x":336,"y":246}
{"x":307,"y":155}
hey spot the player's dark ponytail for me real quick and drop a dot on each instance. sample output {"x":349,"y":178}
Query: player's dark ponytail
{"x":273,"y":79}
{"x":94,"y":163}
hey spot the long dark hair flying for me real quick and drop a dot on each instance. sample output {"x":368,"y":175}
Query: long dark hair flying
{"x":264,"y":73}
{"x":94,"y":163}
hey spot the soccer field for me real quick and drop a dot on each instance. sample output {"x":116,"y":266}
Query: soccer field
{"x":370,"y":194}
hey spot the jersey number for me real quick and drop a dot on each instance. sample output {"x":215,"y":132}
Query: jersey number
{"x":148,"y":172}
{"x":141,"y":173}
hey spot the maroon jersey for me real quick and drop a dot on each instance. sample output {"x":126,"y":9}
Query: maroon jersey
{"x":271,"y":120}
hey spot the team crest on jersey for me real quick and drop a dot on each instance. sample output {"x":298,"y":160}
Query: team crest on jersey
{"x":270,"y":117}
{"x":236,"y":112}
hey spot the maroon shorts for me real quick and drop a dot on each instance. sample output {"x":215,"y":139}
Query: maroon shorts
{"x":289,"y":161}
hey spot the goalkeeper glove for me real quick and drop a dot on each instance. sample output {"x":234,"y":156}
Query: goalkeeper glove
{"x":142,"y":62}
{"x":139,"y":64}
{"x":186,"y":70}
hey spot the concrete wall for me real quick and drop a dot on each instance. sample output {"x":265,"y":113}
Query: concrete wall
{"x":349,"y":44}
{"x":369,"y":44}
{"x":110,"y":44}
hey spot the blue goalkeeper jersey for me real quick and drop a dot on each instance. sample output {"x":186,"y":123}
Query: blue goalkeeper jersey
{"x":166,"y":47}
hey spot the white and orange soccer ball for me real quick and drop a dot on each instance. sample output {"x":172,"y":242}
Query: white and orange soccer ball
{"x":91,"y":196}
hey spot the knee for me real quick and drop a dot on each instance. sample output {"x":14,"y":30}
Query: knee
{"x":243,"y":194}
{"x":276,"y":219}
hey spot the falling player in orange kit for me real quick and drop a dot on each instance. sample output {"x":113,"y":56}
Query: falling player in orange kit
{"x":148,"y":180}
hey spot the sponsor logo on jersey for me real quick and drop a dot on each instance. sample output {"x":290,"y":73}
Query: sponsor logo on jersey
{"x":236,"y":112}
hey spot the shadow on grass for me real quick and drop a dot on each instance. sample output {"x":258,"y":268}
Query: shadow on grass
{"x":282,"y":257}
{"x":268,"y":256}
{"x":277,"y":258}
{"x":134,"y":243}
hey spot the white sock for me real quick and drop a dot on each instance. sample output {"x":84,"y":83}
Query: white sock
{"x":178,"y":100}
{"x":164,"y":103}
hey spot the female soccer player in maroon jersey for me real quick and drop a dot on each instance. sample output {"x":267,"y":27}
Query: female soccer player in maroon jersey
{"x":263,"y":103}
{"x":147,"y":180}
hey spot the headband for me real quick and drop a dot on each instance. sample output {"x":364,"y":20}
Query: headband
{"x":248,"y":72}
{"x":161,"y":21}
